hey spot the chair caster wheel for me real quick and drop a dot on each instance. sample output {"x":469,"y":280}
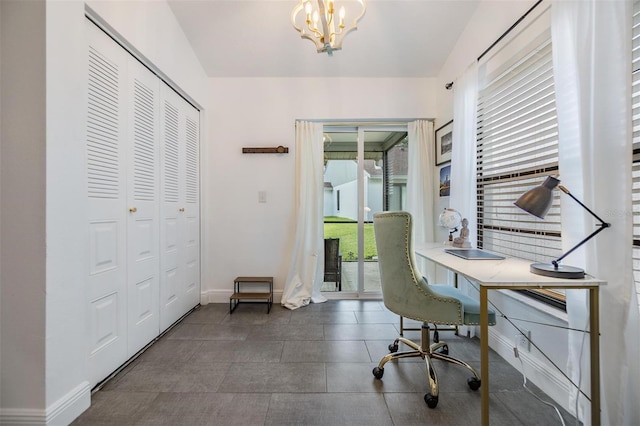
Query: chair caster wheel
{"x":431,"y":400}
{"x":474,"y":383}
{"x":393,"y":347}
{"x":378,"y":372}
{"x":444,"y":350}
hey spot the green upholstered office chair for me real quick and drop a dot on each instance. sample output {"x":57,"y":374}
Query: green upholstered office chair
{"x":407,"y":293}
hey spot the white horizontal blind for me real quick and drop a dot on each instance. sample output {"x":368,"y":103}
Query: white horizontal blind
{"x":517,"y":148}
{"x":635,"y":112}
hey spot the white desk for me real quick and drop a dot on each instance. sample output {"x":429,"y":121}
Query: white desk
{"x":513,"y":274}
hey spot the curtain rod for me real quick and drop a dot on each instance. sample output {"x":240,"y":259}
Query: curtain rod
{"x":363,"y":122}
{"x":509,"y":30}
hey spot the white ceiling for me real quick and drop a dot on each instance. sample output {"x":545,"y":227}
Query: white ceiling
{"x":255,"y":38}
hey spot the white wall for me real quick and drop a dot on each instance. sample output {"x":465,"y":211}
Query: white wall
{"x":66,"y":348}
{"x":374,"y":198}
{"x":490,"y":21}
{"x":248,"y":238}
{"x":348,"y":200}
{"x":44,"y":337}
{"x":152,"y":30}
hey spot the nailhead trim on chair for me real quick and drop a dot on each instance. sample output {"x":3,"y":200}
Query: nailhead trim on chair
{"x":415,"y":281}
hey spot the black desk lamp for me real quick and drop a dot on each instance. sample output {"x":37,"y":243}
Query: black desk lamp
{"x":537,"y":202}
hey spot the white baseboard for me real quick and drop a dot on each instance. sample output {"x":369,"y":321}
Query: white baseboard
{"x":61,"y":412}
{"x":24,"y":416}
{"x":67,"y":408}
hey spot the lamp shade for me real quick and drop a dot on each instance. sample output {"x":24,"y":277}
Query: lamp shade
{"x":537,"y":201}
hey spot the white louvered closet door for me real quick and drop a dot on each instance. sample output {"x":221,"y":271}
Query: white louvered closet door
{"x":106,"y":192}
{"x":142,"y":147}
{"x":172,"y":227}
{"x":191,"y":202}
{"x":143,"y":207}
{"x":179,"y":234}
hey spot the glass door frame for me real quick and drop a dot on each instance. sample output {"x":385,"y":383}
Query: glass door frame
{"x":361,"y":129}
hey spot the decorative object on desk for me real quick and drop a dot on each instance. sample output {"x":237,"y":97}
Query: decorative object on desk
{"x":450,"y":219}
{"x":319,"y":25}
{"x":445,"y":181}
{"x":277,"y":150}
{"x":444,"y":143}
{"x":462,"y":241}
{"x":537,"y":202}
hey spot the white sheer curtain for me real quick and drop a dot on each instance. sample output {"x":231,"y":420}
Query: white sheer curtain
{"x":592,"y":72}
{"x":464,"y":197}
{"x":306,"y":273}
{"x":420,"y":184}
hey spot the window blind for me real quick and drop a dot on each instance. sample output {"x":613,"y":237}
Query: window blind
{"x":635,"y":117}
{"x":517,"y":147}
{"x":395,"y":175}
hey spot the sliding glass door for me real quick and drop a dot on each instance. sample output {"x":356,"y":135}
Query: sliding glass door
{"x":365,"y":173}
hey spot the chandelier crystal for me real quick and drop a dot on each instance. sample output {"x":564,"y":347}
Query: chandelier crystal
{"x":322,"y":25}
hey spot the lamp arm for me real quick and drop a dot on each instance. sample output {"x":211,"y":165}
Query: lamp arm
{"x":602,"y":225}
{"x":602,"y":222}
{"x":593,"y":234}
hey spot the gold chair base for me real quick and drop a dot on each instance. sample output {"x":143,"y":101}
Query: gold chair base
{"x":427,"y":351}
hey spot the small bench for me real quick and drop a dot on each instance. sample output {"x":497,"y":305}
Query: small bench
{"x":253,"y":297}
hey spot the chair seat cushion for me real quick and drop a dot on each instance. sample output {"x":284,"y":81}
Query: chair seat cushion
{"x":470,"y":306}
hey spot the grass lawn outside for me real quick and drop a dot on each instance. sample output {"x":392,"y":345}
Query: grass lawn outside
{"x":347,"y":231}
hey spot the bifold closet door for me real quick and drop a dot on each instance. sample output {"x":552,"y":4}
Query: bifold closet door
{"x":143,"y":177}
{"x":142,"y":153}
{"x":122,"y":151}
{"x":179,"y":212}
{"x":191,"y":202}
{"x":106,"y":191}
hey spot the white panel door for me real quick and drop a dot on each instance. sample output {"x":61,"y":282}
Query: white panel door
{"x":143,"y":206}
{"x":171,"y":212}
{"x":191,"y":203}
{"x":106,"y":192}
{"x":180,"y":211}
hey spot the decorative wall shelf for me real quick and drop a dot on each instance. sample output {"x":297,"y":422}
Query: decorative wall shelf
{"x":277,"y":150}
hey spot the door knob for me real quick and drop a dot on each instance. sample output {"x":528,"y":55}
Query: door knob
{"x":133,"y":210}
{"x":181,"y":209}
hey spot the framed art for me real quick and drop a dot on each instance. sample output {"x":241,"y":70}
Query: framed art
{"x":444,"y":143}
{"x":445,"y":181}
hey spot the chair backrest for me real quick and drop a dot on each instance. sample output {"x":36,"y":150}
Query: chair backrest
{"x":331,"y":254}
{"x":404,"y":290}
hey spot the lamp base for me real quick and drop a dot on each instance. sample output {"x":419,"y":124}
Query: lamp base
{"x":562,"y":271}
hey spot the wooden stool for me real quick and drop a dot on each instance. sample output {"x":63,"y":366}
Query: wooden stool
{"x":254,"y":297}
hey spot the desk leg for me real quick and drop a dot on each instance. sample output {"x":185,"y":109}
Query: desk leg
{"x":484,"y":355}
{"x":594,"y":339}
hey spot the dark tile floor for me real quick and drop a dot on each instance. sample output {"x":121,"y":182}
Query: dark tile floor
{"x":311,"y":366}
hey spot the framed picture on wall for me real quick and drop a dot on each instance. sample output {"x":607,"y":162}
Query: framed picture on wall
{"x":444,"y":142}
{"x":445,"y":181}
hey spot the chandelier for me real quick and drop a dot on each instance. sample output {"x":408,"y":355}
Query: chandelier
{"x":319,"y":24}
